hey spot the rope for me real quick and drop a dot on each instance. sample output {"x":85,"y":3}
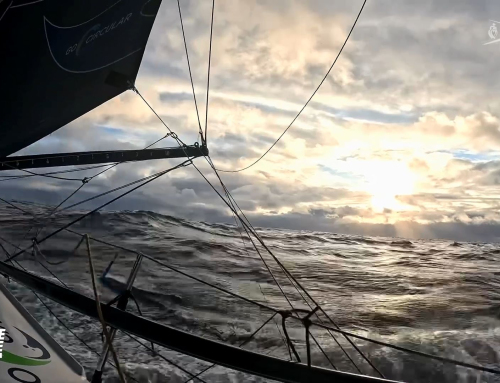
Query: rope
{"x":15,"y":207}
{"x":190,"y":74}
{"x":307,"y":102}
{"x":164,"y":358}
{"x":209,"y":61}
{"x":195,"y":102}
{"x":345,"y":333}
{"x":52,"y":313}
{"x":250,"y":337}
{"x":250,"y":238}
{"x":277,"y":328}
{"x":324,"y":353}
{"x":34,"y":256}
{"x":174,"y":269}
{"x":37,"y":174}
{"x":288,"y":340}
{"x":411,"y":351}
{"x":14,"y":177}
{"x":252,"y":230}
{"x":121,"y":162}
{"x":84,"y":181}
{"x":329,"y":332}
{"x":99,"y":312}
{"x":90,"y":348}
{"x":185,"y":163}
{"x":110,"y":191}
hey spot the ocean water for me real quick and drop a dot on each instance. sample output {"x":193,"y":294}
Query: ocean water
{"x":435,"y":296}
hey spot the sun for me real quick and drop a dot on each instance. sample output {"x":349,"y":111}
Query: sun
{"x":387,"y":180}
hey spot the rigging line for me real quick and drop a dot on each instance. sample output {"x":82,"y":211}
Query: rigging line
{"x":174,"y":136}
{"x":38,"y":174}
{"x":253,"y":243}
{"x":240,"y":231}
{"x":288,"y":274}
{"x":209,"y":62}
{"x":323,"y":351}
{"x":209,"y":160}
{"x":233,"y":209}
{"x":41,"y":264}
{"x":261,"y":305}
{"x":241,"y":345}
{"x":24,"y":211}
{"x":311,"y":308}
{"x":87,"y":180}
{"x":269,"y":270}
{"x":15,"y":207}
{"x":411,"y":351}
{"x":109,"y":191}
{"x":37,"y":248}
{"x":190,"y":75}
{"x":15,"y":177}
{"x":285,"y":270}
{"x":250,"y":227}
{"x":403,"y":349}
{"x":307,"y":102}
{"x":289,"y":342}
{"x":185,"y":163}
{"x":277,"y":327}
{"x":321,"y":321}
{"x":47,"y":217}
{"x":57,"y":317}
{"x":165,"y":358}
{"x":121,"y":162}
{"x":329,"y":332}
{"x":345,"y":333}
{"x":181,"y":144}
{"x":39,"y":229}
{"x":68,"y":197}
{"x":99,"y":312}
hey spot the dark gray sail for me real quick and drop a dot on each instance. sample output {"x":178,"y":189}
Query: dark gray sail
{"x":61,"y":59}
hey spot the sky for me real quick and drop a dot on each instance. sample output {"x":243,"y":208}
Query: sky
{"x":402,"y":139}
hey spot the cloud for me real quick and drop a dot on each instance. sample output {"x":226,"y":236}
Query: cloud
{"x":403,"y":138}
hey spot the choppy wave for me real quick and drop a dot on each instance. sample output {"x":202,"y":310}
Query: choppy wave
{"x":436,"y":296}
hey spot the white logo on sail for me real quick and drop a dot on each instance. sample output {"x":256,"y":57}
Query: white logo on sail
{"x":2,"y":335}
{"x":493,"y":33}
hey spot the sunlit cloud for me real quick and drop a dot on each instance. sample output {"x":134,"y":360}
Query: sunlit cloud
{"x":404,"y":135}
